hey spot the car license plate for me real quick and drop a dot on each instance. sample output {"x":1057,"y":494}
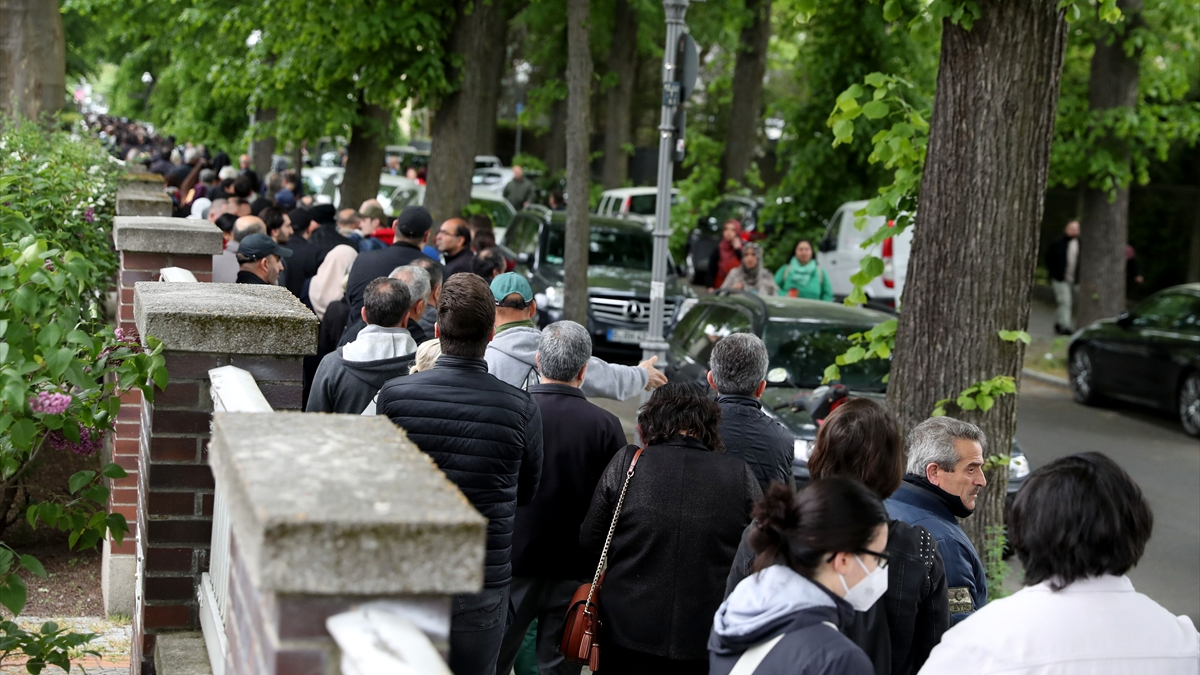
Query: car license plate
{"x":624,"y":336}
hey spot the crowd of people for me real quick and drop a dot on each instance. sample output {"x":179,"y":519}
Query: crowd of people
{"x":702,"y":556}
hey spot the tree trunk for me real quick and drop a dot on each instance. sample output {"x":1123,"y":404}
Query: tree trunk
{"x":556,"y":144}
{"x":263,"y":149}
{"x":456,"y":122}
{"x":579,"y":78}
{"x":1113,"y":83}
{"x":365,"y":155}
{"x":33,"y":62}
{"x":622,"y":61}
{"x":497,"y":60}
{"x":975,"y":246}
{"x":741,"y":141}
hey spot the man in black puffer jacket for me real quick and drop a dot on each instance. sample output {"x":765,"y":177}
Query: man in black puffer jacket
{"x":739,"y":366}
{"x":486,"y":436}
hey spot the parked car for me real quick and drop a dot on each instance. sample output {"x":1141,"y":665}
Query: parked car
{"x":1149,"y":356}
{"x":495,"y":178}
{"x":639,"y":203}
{"x":840,"y":253}
{"x":802,"y":338}
{"x":619,"y":268}
{"x":707,"y":234}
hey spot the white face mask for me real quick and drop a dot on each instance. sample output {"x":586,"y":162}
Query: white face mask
{"x":866,"y":592}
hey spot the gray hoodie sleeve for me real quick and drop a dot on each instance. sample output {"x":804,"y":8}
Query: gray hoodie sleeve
{"x":611,"y":380}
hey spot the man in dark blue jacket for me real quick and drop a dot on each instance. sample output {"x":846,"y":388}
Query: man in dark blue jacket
{"x":739,"y":369}
{"x":944,"y":477}
{"x":486,"y":436}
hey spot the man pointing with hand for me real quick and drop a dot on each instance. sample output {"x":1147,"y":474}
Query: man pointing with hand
{"x":511,"y":355}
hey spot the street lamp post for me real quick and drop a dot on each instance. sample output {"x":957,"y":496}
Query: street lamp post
{"x":655,"y":344}
{"x":522,"y":76}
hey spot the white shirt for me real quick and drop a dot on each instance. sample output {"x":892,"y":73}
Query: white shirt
{"x":1097,"y":626}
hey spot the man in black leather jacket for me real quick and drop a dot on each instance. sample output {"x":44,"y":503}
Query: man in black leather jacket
{"x":739,"y":366}
{"x":486,"y":436}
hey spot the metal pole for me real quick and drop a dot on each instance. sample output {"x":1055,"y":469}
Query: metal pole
{"x":655,"y":345}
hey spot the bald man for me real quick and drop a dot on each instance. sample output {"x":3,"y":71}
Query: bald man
{"x":454,"y":243}
{"x":225,"y":265}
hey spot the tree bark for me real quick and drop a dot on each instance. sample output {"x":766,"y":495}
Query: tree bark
{"x":741,"y":140}
{"x":497,"y":60}
{"x":971,"y":270}
{"x":579,"y":77}
{"x":263,"y":149}
{"x":622,"y":61}
{"x":365,"y":155}
{"x":33,"y":62}
{"x":1104,"y":227}
{"x":556,"y":144}
{"x":455,"y":128}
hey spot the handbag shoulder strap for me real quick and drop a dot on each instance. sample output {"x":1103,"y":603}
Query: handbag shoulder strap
{"x":612,"y":527}
{"x":750,"y":658}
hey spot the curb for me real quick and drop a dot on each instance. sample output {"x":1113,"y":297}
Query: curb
{"x":1046,"y":378}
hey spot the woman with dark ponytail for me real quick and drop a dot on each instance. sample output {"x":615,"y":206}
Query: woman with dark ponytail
{"x":819,"y":558}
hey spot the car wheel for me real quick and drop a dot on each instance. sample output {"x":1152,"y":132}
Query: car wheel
{"x":1082,"y":377}
{"x":1189,"y":404}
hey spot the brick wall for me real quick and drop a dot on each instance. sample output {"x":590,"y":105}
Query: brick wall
{"x":175,"y":486}
{"x":137,"y":267}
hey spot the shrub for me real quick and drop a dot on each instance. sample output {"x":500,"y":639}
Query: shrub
{"x":62,"y":368}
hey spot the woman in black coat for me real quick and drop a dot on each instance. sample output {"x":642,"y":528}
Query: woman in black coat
{"x":861,"y":440}
{"x":683,"y":515}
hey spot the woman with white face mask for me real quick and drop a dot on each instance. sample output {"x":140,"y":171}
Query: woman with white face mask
{"x":820,"y":557}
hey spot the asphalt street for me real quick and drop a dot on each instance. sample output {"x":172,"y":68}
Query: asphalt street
{"x":1154,"y":450}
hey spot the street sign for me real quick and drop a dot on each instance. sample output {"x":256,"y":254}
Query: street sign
{"x":670,"y":97}
{"x":687,"y":59}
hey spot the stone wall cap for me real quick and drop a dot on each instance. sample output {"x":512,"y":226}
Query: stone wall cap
{"x":154,"y":234}
{"x":342,"y":504}
{"x":225,"y":318}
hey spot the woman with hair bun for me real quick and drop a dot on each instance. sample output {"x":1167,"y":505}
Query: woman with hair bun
{"x":820,"y":558}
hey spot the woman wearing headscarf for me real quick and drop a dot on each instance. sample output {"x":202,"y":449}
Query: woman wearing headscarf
{"x":751,"y":276}
{"x":728,"y":254}
{"x":329,"y":284}
{"x":801,"y":277}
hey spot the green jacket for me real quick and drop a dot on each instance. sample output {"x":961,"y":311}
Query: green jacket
{"x":810,"y":280}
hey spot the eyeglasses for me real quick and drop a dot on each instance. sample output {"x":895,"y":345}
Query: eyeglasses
{"x":881,"y":557}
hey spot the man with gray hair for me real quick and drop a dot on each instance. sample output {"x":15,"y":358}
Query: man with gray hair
{"x":942,"y":481}
{"x":738,"y":370}
{"x":225,"y":264}
{"x":579,"y":439}
{"x":417,"y":281}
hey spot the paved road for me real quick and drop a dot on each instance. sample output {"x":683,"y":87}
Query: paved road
{"x":1161,"y":458}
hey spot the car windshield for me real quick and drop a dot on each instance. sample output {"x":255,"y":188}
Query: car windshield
{"x":805,"y":349}
{"x":612,"y":247}
{"x":644,"y":205}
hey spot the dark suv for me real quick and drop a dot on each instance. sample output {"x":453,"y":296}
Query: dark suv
{"x":802,"y":338}
{"x":619,"y":267}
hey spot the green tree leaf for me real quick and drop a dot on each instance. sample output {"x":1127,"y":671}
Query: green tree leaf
{"x":33,"y":565}
{"x":112,"y":470}
{"x":875,"y":110}
{"x":12,"y":594}
{"x":59,"y":361}
{"x":80,"y":479}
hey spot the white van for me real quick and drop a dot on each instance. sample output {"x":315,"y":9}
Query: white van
{"x":639,"y":202}
{"x":840,"y":253}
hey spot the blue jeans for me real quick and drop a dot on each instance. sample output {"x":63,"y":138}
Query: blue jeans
{"x":476,"y":630}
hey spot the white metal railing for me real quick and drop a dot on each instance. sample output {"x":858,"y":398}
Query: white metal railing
{"x":389,"y":637}
{"x":233,"y":390}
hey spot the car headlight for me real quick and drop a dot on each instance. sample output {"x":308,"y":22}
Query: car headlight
{"x":802,"y":449}
{"x":1018,"y":466}
{"x":554,"y":297}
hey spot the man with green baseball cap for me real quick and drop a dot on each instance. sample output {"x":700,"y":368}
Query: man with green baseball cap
{"x":260,"y":260}
{"x":511,"y":355}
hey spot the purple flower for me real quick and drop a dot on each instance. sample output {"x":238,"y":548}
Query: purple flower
{"x":89,"y":443}
{"x":89,"y":215}
{"x":50,"y":403}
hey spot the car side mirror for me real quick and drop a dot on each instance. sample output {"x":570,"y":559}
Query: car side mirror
{"x":1125,"y":319}
{"x":524,"y":258}
{"x":825,"y":246}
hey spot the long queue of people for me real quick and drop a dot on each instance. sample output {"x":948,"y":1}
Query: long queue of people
{"x":692,"y":547}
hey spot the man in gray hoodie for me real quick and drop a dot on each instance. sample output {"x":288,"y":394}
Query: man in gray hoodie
{"x":511,"y":355}
{"x":348,"y":379}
